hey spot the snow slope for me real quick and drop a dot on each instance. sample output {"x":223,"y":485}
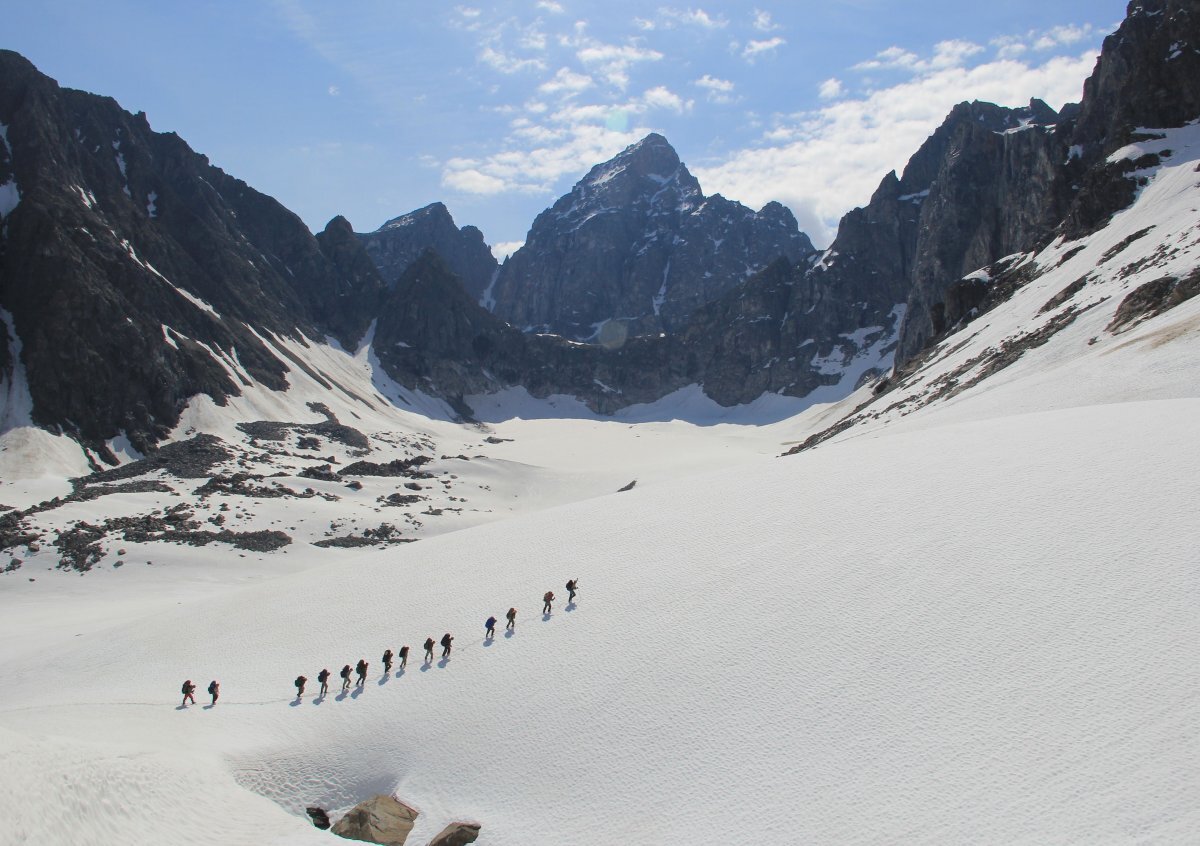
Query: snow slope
{"x":997,"y":645}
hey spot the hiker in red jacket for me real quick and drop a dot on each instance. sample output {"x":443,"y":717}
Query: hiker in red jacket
{"x":403,"y":657}
{"x":214,"y":690}
{"x":511,"y":617}
{"x":547,"y":602}
{"x":189,"y":692}
{"x":428,"y":650}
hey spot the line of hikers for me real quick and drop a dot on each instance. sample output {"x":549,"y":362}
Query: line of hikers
{"x":361,"y":667}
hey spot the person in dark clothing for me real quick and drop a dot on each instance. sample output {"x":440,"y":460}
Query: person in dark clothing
{"x":361,"y":669}
{"x":300,"y":682}
{"x":572,"y":586}
{"x":214,"y":690}
{"x":511,"y":617}
{"x":189,"y":692}
{"x":491,"y":627}
{"x":446,"y":641}
{"x":403,"y":657}
{"x":345,"y":674}
{"x":323,"y":678}
{"x":547,"y":602}
{"x":387,"y":661}
{"x":428,"y":650}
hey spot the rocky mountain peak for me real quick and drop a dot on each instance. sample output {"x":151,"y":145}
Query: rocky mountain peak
{"x":400,"y":241}
{"x":637,"y":241}
{"x":648,"y":174}
{"x":434,"y":214}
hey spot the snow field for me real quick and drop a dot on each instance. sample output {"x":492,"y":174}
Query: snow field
{"x":980,"y":632}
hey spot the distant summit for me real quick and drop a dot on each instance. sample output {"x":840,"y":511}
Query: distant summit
{"x":637,"y":243}
{"x":401,"y":241}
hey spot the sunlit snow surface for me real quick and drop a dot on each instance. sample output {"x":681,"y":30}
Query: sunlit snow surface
{"x":970,"y":620}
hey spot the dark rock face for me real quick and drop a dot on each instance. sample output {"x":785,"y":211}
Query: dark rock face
{"x":382,"y":819}
{"x":636,"y":241}
{"x":1013,"y":191}
{"x":394,"y":246}
{"x":133,"y":269}
{"x":1148,"y":75}
{"x":998,"y":189}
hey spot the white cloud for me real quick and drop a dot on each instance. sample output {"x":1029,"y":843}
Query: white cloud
{"x":762,"y":21}
{"x":713,"y":84}
{"x":567,"y":83}
{"x":660,"y":97}
{"x":755,"y":48}
{"x":691,"y":17}
{"x":719,"y":91}
{"x":946,"y":54}
{"x":831,"y":89}
{"x":611,"y":62}
{"x":822,"y":162}
{"x":504,"y":249}
{"x":506,"y":63}
{"x":472,"y":181}
{"x":1065,"y":36}
{"x":1009,"y":46}
{"x":334,"y":91}
{"x":468,"y":18}
{"x":551,"y":7}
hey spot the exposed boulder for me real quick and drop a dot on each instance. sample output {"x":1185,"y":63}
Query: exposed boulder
{"x":319,"y":817}
{"x":383,"y":819}
{"x":457,"y":834}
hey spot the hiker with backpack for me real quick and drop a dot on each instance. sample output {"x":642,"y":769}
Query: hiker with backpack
{"x":403,"y":656}
{"x":572,"y":586}
{"x":323,"y":678}
{"x":512,"y":618}
{"x":361,"y":669}
{"x":547,"y":602}
{"x":214,"y":690}
{"x":300,"y":682}
{"x":446,"y":641}
{"x":491,"y":627}
{"x":387,"y":662}
{"x":189,"y":692}
{"x":345,"y":674}
{"x":429,"y":650}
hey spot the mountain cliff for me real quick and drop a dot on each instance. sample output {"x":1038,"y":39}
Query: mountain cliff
{"x":137,"y":275}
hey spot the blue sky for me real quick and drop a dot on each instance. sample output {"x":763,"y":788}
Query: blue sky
{"x":371,"y":109}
